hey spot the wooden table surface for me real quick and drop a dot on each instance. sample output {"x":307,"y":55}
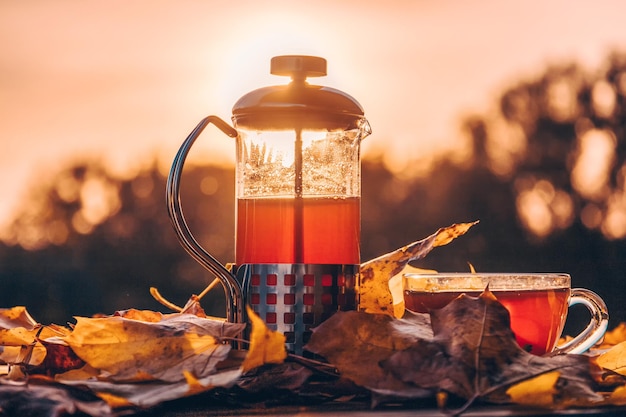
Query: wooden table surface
{"x":197,"y":407}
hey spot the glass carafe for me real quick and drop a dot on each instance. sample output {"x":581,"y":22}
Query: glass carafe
{"x":298,"y":191}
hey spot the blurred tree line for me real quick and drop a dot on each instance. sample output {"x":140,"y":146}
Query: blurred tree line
{"x":544,"y":172}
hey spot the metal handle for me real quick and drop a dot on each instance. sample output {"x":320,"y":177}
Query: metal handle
{"x":232,"y":289}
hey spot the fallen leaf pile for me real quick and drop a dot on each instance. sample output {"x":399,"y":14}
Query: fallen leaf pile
{"x":461,"y":354}
{"x":465,"y":350}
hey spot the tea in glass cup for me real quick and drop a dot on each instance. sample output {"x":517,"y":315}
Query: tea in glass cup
{"x":537,"y":304}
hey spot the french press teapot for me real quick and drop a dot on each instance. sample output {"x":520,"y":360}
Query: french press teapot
{"x":298,"y":193}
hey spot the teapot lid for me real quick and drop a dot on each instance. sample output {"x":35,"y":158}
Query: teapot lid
{"x":298,"y":105}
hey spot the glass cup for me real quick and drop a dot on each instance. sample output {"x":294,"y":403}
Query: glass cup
{"x":537,"y":304}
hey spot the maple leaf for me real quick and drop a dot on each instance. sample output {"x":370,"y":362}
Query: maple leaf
{"x":474,"y":355}
{"x":365,"y":340}
{"x":266,"y":346}
{"x":133,"y":350}
{"x":375,"y":295}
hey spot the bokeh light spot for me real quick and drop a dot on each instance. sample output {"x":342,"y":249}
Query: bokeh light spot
{"x":99,"y":200}
{"x":595,"y":154}
{"x":603,"y":99}
{"x":614,"y":224}
{"x":561,"y":100}
{"x":534,"y":212}
{"x":591,"y":216}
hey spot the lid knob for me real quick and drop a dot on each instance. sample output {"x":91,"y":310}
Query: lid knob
{"x":298,"y":67}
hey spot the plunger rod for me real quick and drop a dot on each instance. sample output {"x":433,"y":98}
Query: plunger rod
{"x":298,"y":203}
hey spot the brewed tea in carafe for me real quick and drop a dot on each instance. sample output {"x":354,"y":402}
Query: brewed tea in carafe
{"x":305,"y":211}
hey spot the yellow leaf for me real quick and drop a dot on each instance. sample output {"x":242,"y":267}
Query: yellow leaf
{"x":615,"y":336}
{"x":131,"y":350}
{"x":19,"y":346}
{"x":16,"y":317}
{"x":446,"y":235}
{"x":266,"y":346}
{"x":142,"y":315}
{"x":24,"y":355}
{"x":442,"y":399}
{"x":614,"y":359}
{"x":17,"y":336}
{"x":195,"y":386}
{"x":114,"y":401}
{"x":537,"y":391}
{"x":618,"y":397}
{"x":375,"y":294}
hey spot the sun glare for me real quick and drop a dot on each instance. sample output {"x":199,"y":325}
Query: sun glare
{"x":246,"y":65}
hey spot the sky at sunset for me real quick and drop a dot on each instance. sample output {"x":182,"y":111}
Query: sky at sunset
{"x":126,"y":80}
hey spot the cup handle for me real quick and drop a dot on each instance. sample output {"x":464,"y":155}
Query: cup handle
{"x":597,"y":325}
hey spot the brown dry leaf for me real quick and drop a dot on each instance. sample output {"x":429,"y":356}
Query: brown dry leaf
{"x":471,"y":353}
{"x":43,"y":397}
{"x":59,"y":358}
{"x":474,"y":355}
{"x":151,"y":393}
{"x":132,"y":350}
{"x":355,"y":343}
{"x":537,"y":392}
{"x":285,"y":376}
{"x":614,"y":359}
{"x":266,"y":346}
{"x":375,"y":296}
